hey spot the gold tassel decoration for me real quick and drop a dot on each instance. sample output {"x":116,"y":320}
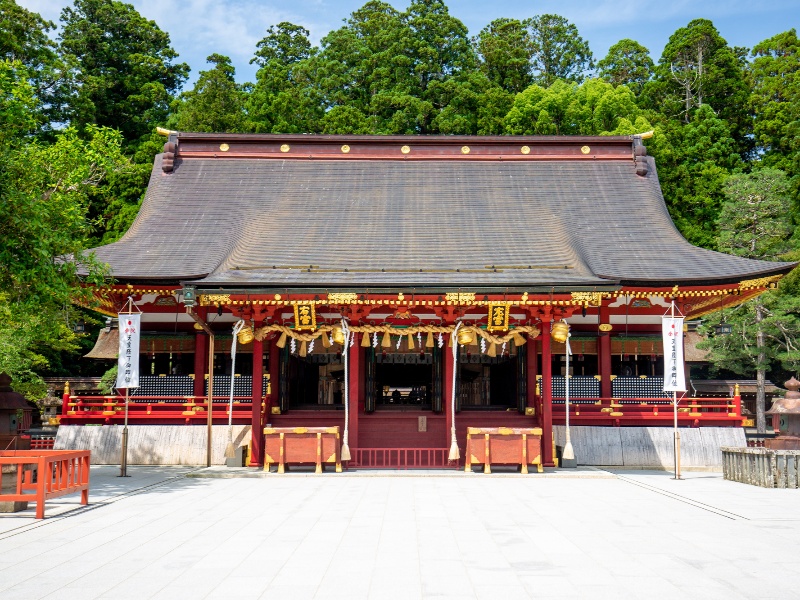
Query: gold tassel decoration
{"x":492,"y":350}
{"x":429,"y":343}
{"x":410,"y":341}
{"x":345,"y":453}
{"x":387,"y":340}
{"x":326,"y":341}
{"x":519,"y":340}
{"x":475,"y":341}
{"x":303,"y":348}
{"x":365,"y":340}
{"x":282,"y":340}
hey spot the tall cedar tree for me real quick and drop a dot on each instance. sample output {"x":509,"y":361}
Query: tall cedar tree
{"x":124,"y":74}
{"x":698,"y":67}
{"x":627,"y":63}
{"x":775,"y":102}
{"x":216,"y":104}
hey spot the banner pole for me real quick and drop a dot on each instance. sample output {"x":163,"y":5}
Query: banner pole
{"x":210,"y":407}
{"x":676,"y":441}
{"x":123,"y":461}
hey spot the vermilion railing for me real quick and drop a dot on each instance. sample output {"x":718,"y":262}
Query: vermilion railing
{"x":402,"y":458}
{"x":46,"y":474}
{"x":653,"y":410}
{"x":141,"y":409}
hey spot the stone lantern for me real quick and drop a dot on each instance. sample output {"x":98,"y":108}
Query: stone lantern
{"x":786,"y":418}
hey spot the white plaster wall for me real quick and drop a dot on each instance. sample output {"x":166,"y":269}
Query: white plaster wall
{"x":650,"y":446}
{"x":151,"y":444}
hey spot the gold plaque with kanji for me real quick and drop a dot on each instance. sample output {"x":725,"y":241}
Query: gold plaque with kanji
{"x":498,"y":317}
{"x":305,"y":317}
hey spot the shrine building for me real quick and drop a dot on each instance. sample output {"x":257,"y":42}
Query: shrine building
{"x":375,"y":250}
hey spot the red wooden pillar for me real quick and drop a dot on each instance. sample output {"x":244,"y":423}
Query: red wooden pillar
{"x":274,"y":378}
{"x":547,"y":396}
{"x":447,"y":387}
{"x":532,"y":370}
{"x":604,"y":356}
{"x":355,"y":383}
{"x":257,"y":431}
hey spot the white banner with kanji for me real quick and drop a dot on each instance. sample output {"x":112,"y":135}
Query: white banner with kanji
{"x":672,"y":333}
{"x":128,"y":361}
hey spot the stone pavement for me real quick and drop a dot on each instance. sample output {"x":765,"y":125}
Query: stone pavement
{"x":585,"y":534}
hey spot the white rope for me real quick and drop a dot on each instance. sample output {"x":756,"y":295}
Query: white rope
{"x":454,"y":453}
{"x":237,"y":327}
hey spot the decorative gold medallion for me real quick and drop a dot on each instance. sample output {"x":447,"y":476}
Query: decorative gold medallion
{"x":345,"y":148}
{"x":285,"y":147}
{"x":525,"y":150}
{"x":277,"y":296}
{"x":224,"y":147}
{"x":305,"y":317}
{"x":498,"y":317}
{"x":464,"y":149}
{"x":585,"y":149}
{"x":606,"y":327}
{"x":405,"y":149}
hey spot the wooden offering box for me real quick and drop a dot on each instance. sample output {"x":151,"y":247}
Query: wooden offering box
{"x":302,"y":445}
{"x":503,"y":446}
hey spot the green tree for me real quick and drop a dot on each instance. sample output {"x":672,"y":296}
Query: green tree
{"x":754,"y":222}
{"x":285,"y":98}
{"x":123,"y":69}
{"x":627,"y":63}
{"x":698,"y":67}
{"x":44,"y":230}
{"x":505,"y":50}
{"x":557,"y":51}
{"x":18,"y":104}
{"x":216,"y":104}
{"x":592,"y":108}
{"x":25,"y":41}
{"x":775,"y":102}
{"x":694,"y":161}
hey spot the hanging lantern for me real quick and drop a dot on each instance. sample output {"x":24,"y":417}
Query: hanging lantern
{"x":465,"y":337}
{"x":337,"y":335}
{"x":560,"y":331}
{"x":723,"y":329}
{"x":245,"y":336}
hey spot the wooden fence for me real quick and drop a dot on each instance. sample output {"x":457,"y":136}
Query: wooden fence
{"x":762,"y":467}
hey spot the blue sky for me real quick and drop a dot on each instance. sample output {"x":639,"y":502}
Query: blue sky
{"x":233,"y":27}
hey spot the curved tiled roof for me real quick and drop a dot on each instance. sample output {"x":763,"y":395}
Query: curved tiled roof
{"x":327,"y":222}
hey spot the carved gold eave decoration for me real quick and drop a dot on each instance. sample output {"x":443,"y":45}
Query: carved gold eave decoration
{"x":761,"y":282}
{"x":214,"y":299}
{"x":460,"y":297}
{"x":712,"y":305}
{"x":343,"y":298}
{"x":589,"y":298}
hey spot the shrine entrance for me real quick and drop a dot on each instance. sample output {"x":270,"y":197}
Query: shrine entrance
{"x":403,"y":380}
